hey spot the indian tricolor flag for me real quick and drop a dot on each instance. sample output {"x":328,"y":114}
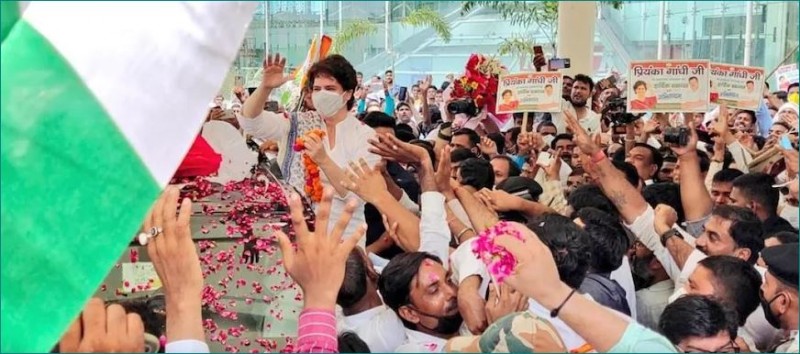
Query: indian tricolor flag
{"x":100,"y":102}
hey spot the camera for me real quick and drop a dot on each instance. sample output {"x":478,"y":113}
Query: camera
{"x":465,"y":106}
{"x":616,"y":111}
{"x":677,"y":136}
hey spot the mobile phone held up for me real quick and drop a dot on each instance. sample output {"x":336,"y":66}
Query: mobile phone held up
{"x":558,"y":63}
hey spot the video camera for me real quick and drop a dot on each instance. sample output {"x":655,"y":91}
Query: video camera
{"x":616,"y":111}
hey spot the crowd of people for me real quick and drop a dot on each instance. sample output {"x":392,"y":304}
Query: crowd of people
{"x":628,"y":233}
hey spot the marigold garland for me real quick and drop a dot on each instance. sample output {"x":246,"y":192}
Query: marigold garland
{"x":313,"y":186}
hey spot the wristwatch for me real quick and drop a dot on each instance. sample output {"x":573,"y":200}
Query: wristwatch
{"x":670,"y":233}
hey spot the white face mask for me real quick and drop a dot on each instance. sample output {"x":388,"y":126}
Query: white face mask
{"x":327,"y":103}
{"x":548,"y":139}
{"x":676,"y":295}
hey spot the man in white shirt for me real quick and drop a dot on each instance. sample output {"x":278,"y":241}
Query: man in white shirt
{"x":581,"y":92}
{"x":362,"y":307}
{"x":418,"y":288}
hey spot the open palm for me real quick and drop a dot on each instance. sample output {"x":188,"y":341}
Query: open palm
{"x":273,"y":76}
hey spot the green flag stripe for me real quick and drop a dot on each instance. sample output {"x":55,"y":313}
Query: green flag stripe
{"x":73,"y":192}
{"x":9,"y":15}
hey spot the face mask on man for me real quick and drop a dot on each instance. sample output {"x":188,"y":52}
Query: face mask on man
{"x":446,"y":324}
{"x":773,"y":319}
{"x":327,"y":103}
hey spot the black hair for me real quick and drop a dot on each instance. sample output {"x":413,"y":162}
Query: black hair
{"x":474,"y":138}
{"x":630,"y":172}
{"x":477,"y":173}
{"x":505,"y":92}
{"x":428,"y":147}
{"x":548,"y":85}
{"x":562,"y":136}
{"x":727,"y":175}
{"x":697,"y":316}
{"x":499,"y":141}
{"x":354,"y":285}
{"x":746,"y":230}
{"x":389,"y":71}
{"x":590,"y":195}
{"x":783,"y":124}
{"x":338,"y":68}
{"x":693,"y":78}
{"x":749,"y":113}
{"x":349,"y":342}
{"x":667,"y":193}
{"x":404,"y":132}
{"x":757,"y":186}
{"x":655,"y":156}
{"x":513,"y":169}
{"x":379,"y":120}
{"x":607,"y":238}
{"x":586,"y":80}
{"x":794,"y":84}
{"x":781,"y":95}
{"x":735,"y":282}
{"x":402,"y":104}
{"x":545,"y":124}
{"x":460,"y":155}
{"x":639,"y":83}
{"x":784,"y":237}
{"x":394,"y":283}
{"x":569,"y":245}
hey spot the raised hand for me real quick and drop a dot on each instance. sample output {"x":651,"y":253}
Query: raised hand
{"x":392,"y":149}
{"x":535,"y":274}
{"x":425,"y":84}
{"x":317,"y":265}
{"x":366,"y":182}
{"x":175,"y":259}
{"x":443,"y":172}
{"x":272,"y":75}
{"x":665,"y":218}
{"x":554,"y":169}
{"x":691,"y":145}
{"x":101,"y":329}
{"x":581,"y":137}
{"x":498,"y":200}
{"x":172,"y":251}
{"x":488,"y":147}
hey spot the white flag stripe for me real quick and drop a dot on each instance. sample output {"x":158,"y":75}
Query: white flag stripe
{"x":125,"y":51}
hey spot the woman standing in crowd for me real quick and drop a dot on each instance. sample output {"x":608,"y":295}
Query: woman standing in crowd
{"x":331,"y":85}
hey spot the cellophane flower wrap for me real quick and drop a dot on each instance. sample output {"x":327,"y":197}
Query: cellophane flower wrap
{"x":479,"y":81}
{"x":500,"y":263}
{"x":313,"y":186}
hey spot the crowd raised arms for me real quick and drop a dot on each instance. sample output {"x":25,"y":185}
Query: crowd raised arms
{"x":475,"y":215}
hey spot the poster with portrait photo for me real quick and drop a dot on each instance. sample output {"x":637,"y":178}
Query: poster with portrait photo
{"x":664,"y":86}
{"x":740,"y":87}
{"x":529,"y":92}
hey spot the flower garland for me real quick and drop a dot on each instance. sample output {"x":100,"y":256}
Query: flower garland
{"x":480,"y":81}
{"x":499,"y":262}
{"x":313,"y":187}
